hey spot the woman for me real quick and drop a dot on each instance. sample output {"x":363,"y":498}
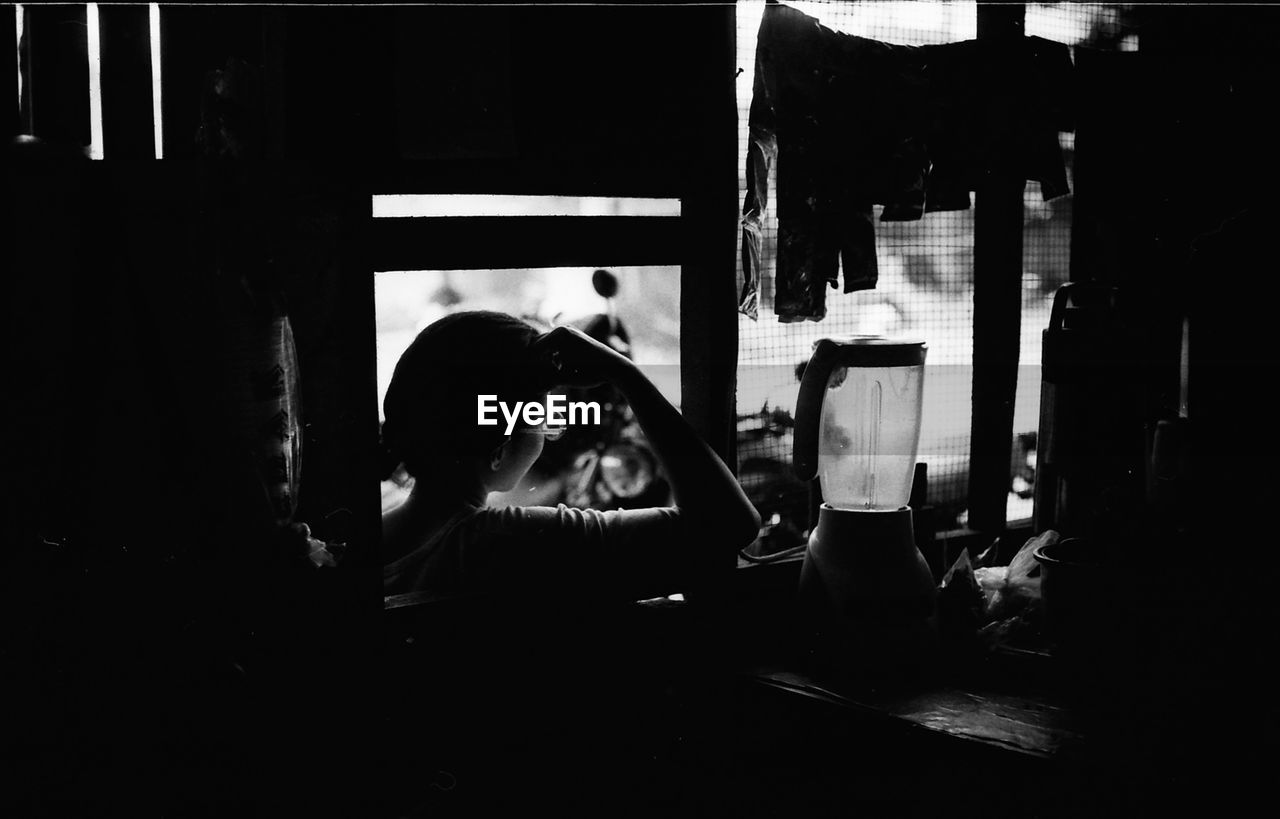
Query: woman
{"x":444,"y":539}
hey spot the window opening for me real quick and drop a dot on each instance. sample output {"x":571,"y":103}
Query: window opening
{"x":647,"y":306}
{"x":926,"y":277}
{"x":925,"y":290}
{"x":647,"y":303}
{"x":642,"y":316}
{"x":603,"y":466}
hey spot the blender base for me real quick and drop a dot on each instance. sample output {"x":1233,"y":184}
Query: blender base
{"x":867,"y":597}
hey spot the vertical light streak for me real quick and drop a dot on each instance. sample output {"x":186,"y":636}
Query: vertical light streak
{"x":19,"y":18}
{"x":156,"y":108}
{"x":95,"y":82}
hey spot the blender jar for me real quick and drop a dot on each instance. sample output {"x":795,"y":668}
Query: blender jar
{"x":858,"y":420}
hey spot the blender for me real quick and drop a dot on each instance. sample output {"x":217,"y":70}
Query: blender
{"x":868,"y":593}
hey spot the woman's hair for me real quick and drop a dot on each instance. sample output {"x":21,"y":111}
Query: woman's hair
{"x":430,"y":407}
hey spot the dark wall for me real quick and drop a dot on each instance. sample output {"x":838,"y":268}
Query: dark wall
{"x":1175,"y":202}
{"x":173,"y":655}
{"x":124,"y":261}
{"x":579,"y":99}
{"x":161,"y":618}
{"x":166,"y":637}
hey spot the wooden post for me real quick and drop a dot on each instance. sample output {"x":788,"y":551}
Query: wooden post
{"x":997,"y":311}
{"x":196,"y":40}
{"x":275,"y":49}
{"x":128,"y":130}
{"x":708,"y":297}
{"x":59,"y":74}
{"x":9,"y":74}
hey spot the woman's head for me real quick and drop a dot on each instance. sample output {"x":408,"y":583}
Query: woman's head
{"x":430,"y":407}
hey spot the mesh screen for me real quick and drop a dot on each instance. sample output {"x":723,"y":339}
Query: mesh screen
{"x":925,"y":288}
{"x":926,"y":271}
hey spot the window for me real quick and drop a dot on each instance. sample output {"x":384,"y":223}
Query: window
{"x":646,"y":304}
{"x":925,"y":288}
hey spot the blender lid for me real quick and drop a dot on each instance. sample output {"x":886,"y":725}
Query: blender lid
{"x":879,"y":351}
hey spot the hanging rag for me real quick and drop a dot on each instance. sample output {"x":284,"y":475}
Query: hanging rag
{"x":852,"y":122}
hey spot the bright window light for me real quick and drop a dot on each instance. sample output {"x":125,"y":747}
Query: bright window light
{"x":438,"y":205}
{"x":95,"y":82}
{"x":18,"y":20}
{"x":156,"y":117}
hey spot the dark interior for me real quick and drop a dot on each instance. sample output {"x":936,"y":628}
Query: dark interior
{"x":167,"y":656}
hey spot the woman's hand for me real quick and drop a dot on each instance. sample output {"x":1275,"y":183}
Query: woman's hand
{"x":577,"y":360}
{"x":711,"y":502}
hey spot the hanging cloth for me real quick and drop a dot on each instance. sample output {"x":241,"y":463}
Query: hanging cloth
{"x":852,"y":122}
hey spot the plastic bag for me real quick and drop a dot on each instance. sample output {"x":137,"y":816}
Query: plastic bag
{"x":1008,"y":589}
